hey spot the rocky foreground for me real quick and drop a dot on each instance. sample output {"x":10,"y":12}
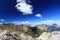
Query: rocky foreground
{"x":50,"y":36}
{"x":7,"y":35}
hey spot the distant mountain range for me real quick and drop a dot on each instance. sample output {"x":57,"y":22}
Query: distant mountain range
{"x":53,"y":27}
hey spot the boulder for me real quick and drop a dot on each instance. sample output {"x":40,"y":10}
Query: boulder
{"x":7,"y":35}
{"x":49,"y":36}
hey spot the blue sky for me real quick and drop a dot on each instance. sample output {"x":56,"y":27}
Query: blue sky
{"x":49,"y":10}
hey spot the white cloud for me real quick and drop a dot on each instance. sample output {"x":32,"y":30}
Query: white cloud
{"x":2,"y":20}
{"x":18,"y":1}
{"x":49,"y":22}
{"x":23,"y":7}
{"x":38,"y":15}
{"x":25,"y":22}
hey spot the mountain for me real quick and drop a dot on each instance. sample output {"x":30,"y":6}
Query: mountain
{"x":29,"y":32}
{"x":53,"y":27}
{"x":32,"y":30}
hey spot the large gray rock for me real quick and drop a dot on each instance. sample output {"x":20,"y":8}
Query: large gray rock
{"x":7,"y":35}
{"x":50,"y":36}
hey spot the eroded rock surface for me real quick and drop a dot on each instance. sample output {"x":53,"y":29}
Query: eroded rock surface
{"x":7,"y":35}
{"x":50,"y":36}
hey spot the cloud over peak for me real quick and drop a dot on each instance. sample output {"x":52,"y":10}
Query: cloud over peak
{"x":49,"y":21}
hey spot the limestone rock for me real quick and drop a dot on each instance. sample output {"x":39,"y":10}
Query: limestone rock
{"x":50,"y":36}
{"x":7,"y":35}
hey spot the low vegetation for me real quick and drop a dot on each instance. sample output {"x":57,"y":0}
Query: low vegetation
{"x":10,"y":27}
{"x":34,"y":32}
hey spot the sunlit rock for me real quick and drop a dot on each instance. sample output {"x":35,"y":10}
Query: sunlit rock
{"x":50,"y":36}
{"x":25,"y":37}
{"x":7,"y":35}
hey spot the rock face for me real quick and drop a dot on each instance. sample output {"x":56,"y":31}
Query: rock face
{"x":7,"y":35}
{"x":25,"y":37}
{"x":42,"y":27}
{"x":23,"y":28}
{"x":49,"y":36}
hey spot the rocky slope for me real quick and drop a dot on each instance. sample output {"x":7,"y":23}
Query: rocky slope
{"x":49,"y":36}
{"x":26,"y":37}
{"x":7,"y":35}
